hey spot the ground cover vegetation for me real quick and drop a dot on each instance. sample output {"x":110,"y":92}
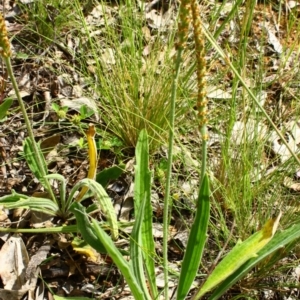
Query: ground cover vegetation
{"x":149,"y":150}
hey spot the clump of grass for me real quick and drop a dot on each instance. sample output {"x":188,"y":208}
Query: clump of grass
{"x":133,"y":87}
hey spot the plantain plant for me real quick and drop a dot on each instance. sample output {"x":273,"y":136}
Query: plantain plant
{"x":58,"y":206}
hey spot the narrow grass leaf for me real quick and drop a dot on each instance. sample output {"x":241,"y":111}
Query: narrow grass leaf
{"x":228,"y":17}
{"x":240,"y":253}
{"x":196,"y":242}
{"x":120,"y":262}
{"x":279,"y":241}
{"x":221,"y":52}
{"x":142,"y":190}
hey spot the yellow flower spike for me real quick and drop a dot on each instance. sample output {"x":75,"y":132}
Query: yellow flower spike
{"x":184,"y":22}
{"x":4,"y":41}
{"x":90,"y":136}
{"x":201,"y":69}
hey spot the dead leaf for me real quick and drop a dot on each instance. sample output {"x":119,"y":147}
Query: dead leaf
{"x":272,"y":39}
{"x":49,"y":143}
{"x":292,"y":137}
{"x":77,"y":103}
{"x":14,"y":261}
{"x":155,"y":20}
{"x":248,"y":131}
{"x":108,"y":57}
{"x":37,"y":259}
{"x":216,"y":93}
{"x":40,"y":220}
{"x":291,"y":184}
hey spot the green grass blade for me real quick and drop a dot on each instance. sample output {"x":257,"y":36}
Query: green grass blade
{"x":220,"y":51}
{"x":228,"y":18}
{"x":277,"y":242}
{"x":196,"y":242}
{"x":239,"y":254}
{"x":143,"y":191}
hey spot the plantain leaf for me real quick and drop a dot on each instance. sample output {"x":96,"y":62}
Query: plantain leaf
{"x":136,"y":254}
{"x":120,"y":262}
{"x":85,"y":228}
{"x":142,"y":192}
{"x":4,"y":107}
{"x":196,"y":242}
{"x":34,"y":203}
{"x":239,"y":254}
{"x":32,"y":161}
{"x":280,"y":240}
{"x":104,"y":202}
{"x":108,"y":174}
{"x":62,"y":190}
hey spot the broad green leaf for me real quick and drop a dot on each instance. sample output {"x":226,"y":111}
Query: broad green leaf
{"x":106,"y":175}
{"x":196,"y":242}
{"x":279,"y":241}
{"x":240,"y":253}
{"x":104,"y":202}
{"x":86,"y":112}
{"x":85,"y":228}
{"x":142,"y":191}
{"x":136,"y":254}
{"x":4,"y":107}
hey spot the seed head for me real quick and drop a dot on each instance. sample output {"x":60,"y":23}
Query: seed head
{"x":4,"y":41}
{"x":184,"y":22}
{"x":201,"y":66}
